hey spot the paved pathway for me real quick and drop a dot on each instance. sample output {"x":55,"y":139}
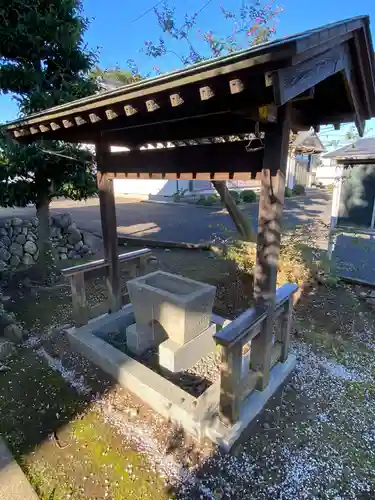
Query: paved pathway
{"x":180,"y":223}
{"x":13,"y":482}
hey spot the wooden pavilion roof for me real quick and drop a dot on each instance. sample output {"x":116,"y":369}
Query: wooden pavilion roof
{"x":327,"y":74}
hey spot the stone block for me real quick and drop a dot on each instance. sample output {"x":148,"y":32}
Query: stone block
{"x":21,"y":239}
{"x":16,"y":249}
{"x":178,"y":307}
{"x":13,"y":482}
{"x":176,"y":358}
{"x":138,"y":341}
{"x":13,"y":333}
{"x":63,"y":221}
{"x":6,"y":348}
{"x":15,"y":261}
{"x":4,"y":254}
{"x":27,"y":259}
{"x":16,"y":222}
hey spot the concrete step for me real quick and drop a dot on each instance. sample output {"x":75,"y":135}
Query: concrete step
{"x":13,"y":482}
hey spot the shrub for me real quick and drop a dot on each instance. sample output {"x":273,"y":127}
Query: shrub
{"x":295,"y":265}
{"x":236,"y":196}
{"x":248,"y":196}
{"x":288,"y":192}
{"x":207,"y":201}
{"x":298,"y":189}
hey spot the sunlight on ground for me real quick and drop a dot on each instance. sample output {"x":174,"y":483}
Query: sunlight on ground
{"x":140,"y":230}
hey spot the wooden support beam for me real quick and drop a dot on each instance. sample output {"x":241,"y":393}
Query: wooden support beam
{"x":238,"y":218}
{"x":214,"y":125}
{"x":80,"y":308}
{"x":109,"y":227}
{"x":236,"y":86}
{"x":130,"y":110}
{"x":354,"y":97}
{"x":152,"y":105}
{"x":110,"y":114}
{"x":365,"y":69}
{"x":79,"y":120}
{"x":268,"y":242}
{"x":34,"y":130}
{"x":230,"y":376}
{"x":206,"y":93}
{"x":54,"y":126}
{"x":94,"y":118}
{"x":268,"y":113}
{"x":268,"y":79}
{"x":285,"y":329}
{"x":67,"y":123}
{"x":176,"y":100}
{"x":44,"y":128}
{"x":226,"y":157}
{"x":292,"y":81}
{"x":23,"y":132}
{"x":305,"y":96}
{"x":199,"y":176}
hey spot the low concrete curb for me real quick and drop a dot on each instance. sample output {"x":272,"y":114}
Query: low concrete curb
{"x":198,"y":416}
{"x":228,"y":437}
{"x":218,"y":206}
{"x":13,"y":482}
{"x":145,"y":242}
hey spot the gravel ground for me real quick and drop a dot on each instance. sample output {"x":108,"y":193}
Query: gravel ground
{"x":317,"y":443}
{"x":195,"y":380}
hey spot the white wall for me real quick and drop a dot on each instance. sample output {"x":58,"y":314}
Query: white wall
{"x":149,"y":187}
{"x":146,"y":187}
{"x":327,"y":172}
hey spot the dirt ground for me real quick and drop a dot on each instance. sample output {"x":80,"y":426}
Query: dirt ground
{"x":79,"y":436}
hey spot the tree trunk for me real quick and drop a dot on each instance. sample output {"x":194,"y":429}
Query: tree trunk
{"x":240,"y":221}
{"x":46,"y":262}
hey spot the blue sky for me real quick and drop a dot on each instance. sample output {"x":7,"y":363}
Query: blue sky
{"x":117,"y":37}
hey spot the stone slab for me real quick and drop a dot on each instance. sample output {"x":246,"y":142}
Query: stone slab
{"x":180,"y":308}
{"x":176,"y":358}
{"x":6,"y":348}
{"x":106,"y":324}
{"x":162,"y":396}
{"x":227,"y":437}
{"x":198,"y":416}
{"x":138,"y":341}
{"x":13,"y":482}
{"x":353,"y":257}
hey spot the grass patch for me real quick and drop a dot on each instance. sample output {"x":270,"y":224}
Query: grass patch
{"x":130,"y":474}
{"x":62,"y":444}
{"x":294,"y":265}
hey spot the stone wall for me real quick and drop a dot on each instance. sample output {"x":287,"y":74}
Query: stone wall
{"x":18,"y":240}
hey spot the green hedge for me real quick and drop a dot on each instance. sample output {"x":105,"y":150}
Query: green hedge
{"x":299,"y":189}
{"x":207,"y":201}
{"x":248,"y":196}
{"x":236,"y":196}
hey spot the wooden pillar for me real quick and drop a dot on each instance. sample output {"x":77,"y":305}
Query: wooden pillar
{"x":268,"y":241}
{"x":230,"y":375}
{"x":80,"y":308}
{"x":109,"y":229}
